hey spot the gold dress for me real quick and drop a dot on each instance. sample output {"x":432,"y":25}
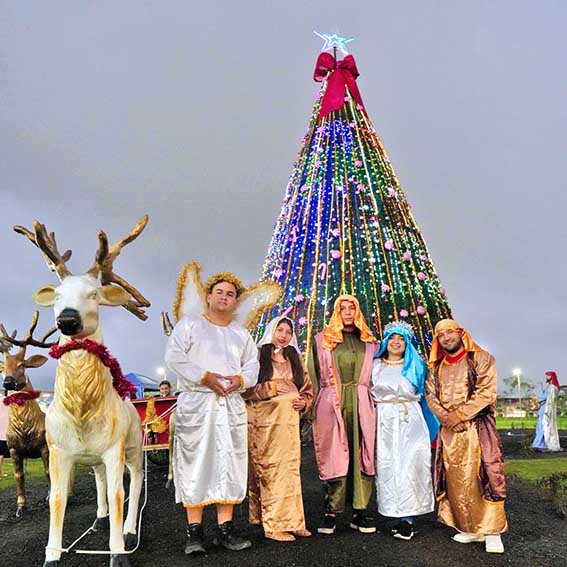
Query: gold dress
{"x":274,"y":451}
{"x":462,"y":502}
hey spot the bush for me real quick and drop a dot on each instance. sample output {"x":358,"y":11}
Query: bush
{"x":554,"y":488}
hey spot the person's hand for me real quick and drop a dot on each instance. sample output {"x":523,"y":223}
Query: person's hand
{"x":215,"y":383}
{"x":283,"y":387}
{"x":452,"y":420}
{"x":299,"y":404}
{"x":460,"y":427}
{"x":234,"y":385}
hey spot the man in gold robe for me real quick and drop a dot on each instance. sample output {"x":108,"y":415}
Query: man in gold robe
{"x":344,"y":425}
{"x":470,"y":484}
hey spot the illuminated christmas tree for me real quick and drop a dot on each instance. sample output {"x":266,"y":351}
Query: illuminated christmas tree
{"x":345,"y":225}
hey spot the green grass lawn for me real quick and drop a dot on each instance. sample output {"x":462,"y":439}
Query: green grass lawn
{"x":34,"y":472}
{"x":525,"y":422}
{"x":533,"y":470}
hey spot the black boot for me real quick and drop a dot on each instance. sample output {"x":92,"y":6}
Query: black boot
{"x":194,"y":539}
{"x":226,"y":538}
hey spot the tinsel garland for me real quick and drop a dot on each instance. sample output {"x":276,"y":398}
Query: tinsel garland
{"x":20,"y":398}
{"x":124,"y":387}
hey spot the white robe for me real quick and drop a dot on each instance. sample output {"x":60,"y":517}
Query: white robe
{"x":403,"y":454}
{"x":550,"y":433}
{"x":210,"y":457}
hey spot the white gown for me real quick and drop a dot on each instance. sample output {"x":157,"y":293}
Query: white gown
{"x":210,"y":456}
{"x":403,"y":453}
{"x":550,"y":432}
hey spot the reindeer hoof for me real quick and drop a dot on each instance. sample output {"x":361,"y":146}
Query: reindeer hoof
{"x":169,"y":483}
{"x":130,"y":541}
{"x":101,"y":524}
{"x":19,"y":512}
{"x":53,"y":563}
{"x":119,"y":561}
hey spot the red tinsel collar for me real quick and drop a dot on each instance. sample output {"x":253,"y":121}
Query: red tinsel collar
{"x":124,"y":387}
{"x":20,"y":398}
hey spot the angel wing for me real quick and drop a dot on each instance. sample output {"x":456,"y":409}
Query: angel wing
{"x":191,"y":297}
{"x":255,"y":300}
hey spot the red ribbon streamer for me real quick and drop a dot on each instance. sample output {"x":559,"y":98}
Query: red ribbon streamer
{"x":123,"y":387}
{"x":20,"y":398}
{"x":340,"y":75}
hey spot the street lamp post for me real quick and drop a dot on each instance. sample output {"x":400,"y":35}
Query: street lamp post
{"x":518,"y":375}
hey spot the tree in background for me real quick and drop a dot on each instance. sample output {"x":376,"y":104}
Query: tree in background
{"x":345,"y":225}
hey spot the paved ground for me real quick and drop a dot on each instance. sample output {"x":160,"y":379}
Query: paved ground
{"x":537,"y":536}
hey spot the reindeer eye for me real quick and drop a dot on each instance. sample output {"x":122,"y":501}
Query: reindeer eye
{"x":91,"y":295}
{"x":57,"y":295}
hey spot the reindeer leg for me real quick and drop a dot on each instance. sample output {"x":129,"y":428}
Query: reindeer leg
{"x":101,"y":521}
{"x":45,"y":459}
{"x":114,"y":462}
{"x":18,"y":462}
{"x":169,"y":482}
{"x":134,"y":462}
{"x":60,"y":469}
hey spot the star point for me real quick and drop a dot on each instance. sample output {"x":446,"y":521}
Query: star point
{"x":334,"y":40}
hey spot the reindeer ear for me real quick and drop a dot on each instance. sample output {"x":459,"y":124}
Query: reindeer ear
{"x":112,"y":295}
{"x":35,"y":361}
{"x":45,"y":296}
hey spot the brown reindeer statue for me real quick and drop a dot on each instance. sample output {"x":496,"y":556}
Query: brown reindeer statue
{"x":26,"y":422}
{"x":91,"y":419}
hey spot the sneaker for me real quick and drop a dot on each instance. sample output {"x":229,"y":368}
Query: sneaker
{"x":404,"y":530}
{"x":329,"y":525}
{"x":194,"y":539}
{"x":463,"y":537}
{"x":226,"y":538}
{"x":493,"y":544}
{"x":362,"y":523}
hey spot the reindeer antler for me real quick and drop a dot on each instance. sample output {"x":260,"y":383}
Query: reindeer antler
{"x":103,"y":264}
{"x":166,"y":324}
{"x":5,"y":343}
{"x":48,"y":247}
{"x":28,"y":340}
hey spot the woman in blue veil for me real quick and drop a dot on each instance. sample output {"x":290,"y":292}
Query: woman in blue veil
{"x":405,"y":429}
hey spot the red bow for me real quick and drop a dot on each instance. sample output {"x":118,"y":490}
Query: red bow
{"x":340,"y":75}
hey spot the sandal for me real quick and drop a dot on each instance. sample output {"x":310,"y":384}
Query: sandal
{"x":279,"y":536}
{"x":302,"y":533}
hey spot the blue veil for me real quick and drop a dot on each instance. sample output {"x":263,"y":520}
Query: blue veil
{"x":414,"y":369}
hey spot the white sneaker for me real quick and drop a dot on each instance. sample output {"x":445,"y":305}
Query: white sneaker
{"x":463,"y":537}
{"x":493,"y":544}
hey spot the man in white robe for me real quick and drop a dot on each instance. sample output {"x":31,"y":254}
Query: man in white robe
{"x":214,"y":359}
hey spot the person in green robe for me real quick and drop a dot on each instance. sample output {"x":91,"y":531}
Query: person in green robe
{"x":344,"y":434}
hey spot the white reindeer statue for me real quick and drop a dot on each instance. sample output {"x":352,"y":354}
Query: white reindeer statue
{"x":90,"y":421}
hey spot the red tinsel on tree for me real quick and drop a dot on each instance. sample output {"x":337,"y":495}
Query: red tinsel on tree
{"x":124,"y":387}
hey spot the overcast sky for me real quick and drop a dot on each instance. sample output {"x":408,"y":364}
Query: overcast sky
{"x":193,"y":112}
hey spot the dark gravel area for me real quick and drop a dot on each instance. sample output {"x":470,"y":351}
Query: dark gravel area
{"x":537,"y":536}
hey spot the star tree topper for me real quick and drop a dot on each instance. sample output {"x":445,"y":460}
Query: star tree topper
{"x":334,"y":40}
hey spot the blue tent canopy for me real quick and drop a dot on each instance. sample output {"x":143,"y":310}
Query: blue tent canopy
{"x":142,"y":383}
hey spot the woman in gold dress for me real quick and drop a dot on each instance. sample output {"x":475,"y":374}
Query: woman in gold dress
{"x":274,"y":405}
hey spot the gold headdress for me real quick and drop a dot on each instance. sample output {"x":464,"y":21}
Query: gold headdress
{"x":191,"y":295}
{"x":437,"y":351}
{"x":333,"y":332}
{"x":225,"y":277}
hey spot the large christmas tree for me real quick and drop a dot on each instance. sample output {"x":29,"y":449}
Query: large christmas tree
{"x":345,"y":225}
